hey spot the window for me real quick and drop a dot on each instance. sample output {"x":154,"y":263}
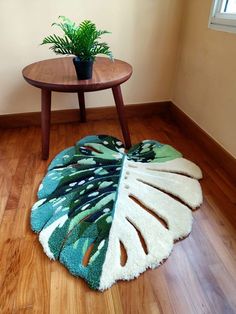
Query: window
{"x":223,"y":15}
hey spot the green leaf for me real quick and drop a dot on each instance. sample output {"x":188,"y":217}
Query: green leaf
{"x":82,"y":40}
{"x":91,"y":198}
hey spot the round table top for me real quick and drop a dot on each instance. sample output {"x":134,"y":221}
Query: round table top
{"x":59,"y":74}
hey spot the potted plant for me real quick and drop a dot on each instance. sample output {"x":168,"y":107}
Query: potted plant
{"x":82,"y":41}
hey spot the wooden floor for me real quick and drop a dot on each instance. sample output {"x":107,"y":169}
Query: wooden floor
{"x":198,"y":277}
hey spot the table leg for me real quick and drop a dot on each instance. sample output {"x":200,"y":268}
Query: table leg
{"x":121,"y":114}
{"x":45,"y":121}
{"x":82,"y":106}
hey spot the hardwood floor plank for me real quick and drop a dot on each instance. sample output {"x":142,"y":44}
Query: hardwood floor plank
{"x":225,"y":280}
{"x":9,"y":269}
{"x":221,"y":225}
{"x":116,"y":299}
{"x":33,"y":288}
{"x":202,"y":255}
{"x":159,"y":284}
{"x":218,"y":245}
{"x":63,"y":292}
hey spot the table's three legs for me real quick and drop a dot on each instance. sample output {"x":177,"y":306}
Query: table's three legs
{"x":121,"y":114}
{"x":46,"y":116}
{"x":82,"y":106}
{"x":46,"y":96}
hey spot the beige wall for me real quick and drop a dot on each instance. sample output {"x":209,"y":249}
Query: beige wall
{"x":144,"y":33}
{"x":205,"y":83}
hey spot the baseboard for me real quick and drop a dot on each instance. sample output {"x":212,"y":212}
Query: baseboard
{"x":72,"y":115}
{"x":217,"y":152}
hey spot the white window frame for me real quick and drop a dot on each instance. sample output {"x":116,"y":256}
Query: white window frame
{"x":221,"y":21}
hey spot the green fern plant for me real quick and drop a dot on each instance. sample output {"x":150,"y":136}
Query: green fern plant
{"x":82,"y":41}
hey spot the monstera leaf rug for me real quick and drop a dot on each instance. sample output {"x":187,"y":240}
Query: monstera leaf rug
{"x":95,"y":199}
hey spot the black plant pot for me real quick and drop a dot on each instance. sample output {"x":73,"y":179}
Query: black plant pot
{"x":84,"y":69}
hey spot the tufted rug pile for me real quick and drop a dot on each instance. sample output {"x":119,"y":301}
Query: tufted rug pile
{"x":96,"y":200}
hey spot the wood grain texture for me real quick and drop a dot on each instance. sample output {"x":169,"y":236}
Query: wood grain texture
{"x":199,"y":276}
{"x":46,"y":96}
{"x":82,"y":108}
{"x":59,"y":75}
{"x":117,"y":94}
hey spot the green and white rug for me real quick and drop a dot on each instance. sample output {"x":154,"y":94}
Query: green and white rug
{"x":96,"y":199}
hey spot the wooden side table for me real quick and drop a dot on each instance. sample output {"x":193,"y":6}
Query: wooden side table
{"x":59,"y":75}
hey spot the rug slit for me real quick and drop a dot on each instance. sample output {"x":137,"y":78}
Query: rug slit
{"x":123,"y":255}
{"x":161,"y":220}
{"x":87,"y":255}
{"x":141,"y":238}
